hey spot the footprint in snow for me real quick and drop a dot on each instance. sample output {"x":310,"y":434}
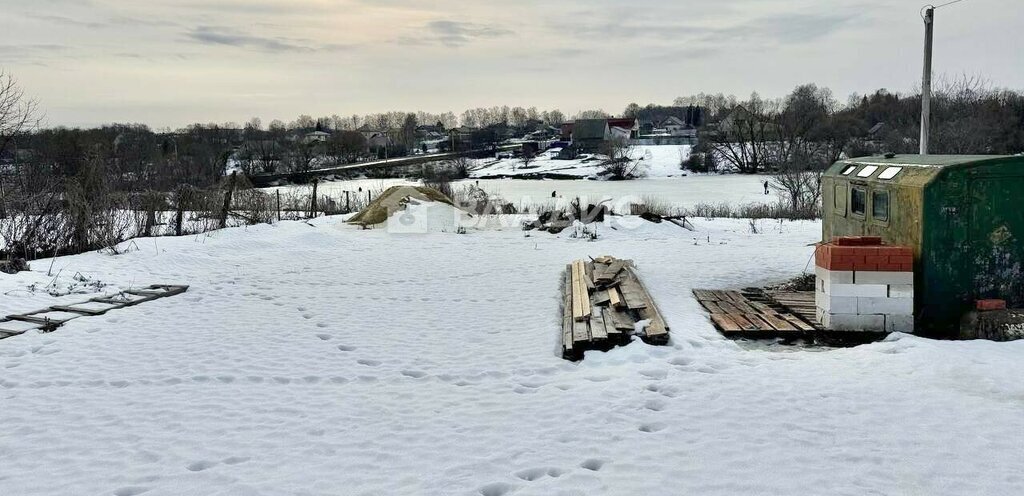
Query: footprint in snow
{"x":345,"y":347}
{"x":324,"y":337}
{"x":655,"y":405}
{"x":593,"y":464}
{"x":497,"y":489}
{"x":368,"y":363}
{"x":532,"y":474}
{"x":200,"y":465}
{"x":415,"y":374}
{"x":652,"y":426}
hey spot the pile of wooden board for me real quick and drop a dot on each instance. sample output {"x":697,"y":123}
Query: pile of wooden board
{"x":750,"y":315}
{"x":603,"y":303}
{"x":53,"y":317}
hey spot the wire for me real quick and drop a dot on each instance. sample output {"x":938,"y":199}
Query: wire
{"x":933,"y":7}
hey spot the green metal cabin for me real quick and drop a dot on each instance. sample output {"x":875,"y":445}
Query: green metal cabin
{"x":962,"y":215}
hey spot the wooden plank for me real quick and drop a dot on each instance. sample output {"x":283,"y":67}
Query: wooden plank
{"x":758,"y":322}
{"x":620,"y":320}
{"x":745,"y":307}
{"x":580,"y":333}
{"x":588,"y":277}
{"x":83,"y":311}
{"x":777,"y":323}
{"x":721,"y":295}
{"x":598,"y":332}
{"x":606,"y":274}
{"x":37,"y":320}
{"x":577,"y":302}
{"x":614,"y":300}
{"x":658,"y":329}
{"x":567,"y":337}
{"x":613,"y":270}
{"x":609,"y":324}
{"x":742,"y":321}
{"x":735,"y":296}
{"x":798,"y":323}
{"x":146,"y":293}
{"x":585,"y":309}
{"x":712,"y":307}
{"x":705,"y":295}
{"x":729,"y":308}
{"x":725,"y":323}
{"x":632,"y":295}
{"x":602,"y":299}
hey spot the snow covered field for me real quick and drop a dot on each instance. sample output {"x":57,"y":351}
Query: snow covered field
{"x":685,"y":192}
{"x":319,"y":359}
{"x":655,"y":162}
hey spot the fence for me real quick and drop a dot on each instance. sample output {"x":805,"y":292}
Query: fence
{"x":45,"y":225}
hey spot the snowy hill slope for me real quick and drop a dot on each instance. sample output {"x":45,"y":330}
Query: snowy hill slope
{"x":321,"y":359}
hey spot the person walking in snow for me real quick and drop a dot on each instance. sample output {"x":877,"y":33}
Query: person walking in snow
{"x":766,"y":187}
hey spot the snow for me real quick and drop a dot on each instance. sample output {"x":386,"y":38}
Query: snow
{"x":319,"y":359}
{"x":683,"y":192}
{"x":656,"y":162}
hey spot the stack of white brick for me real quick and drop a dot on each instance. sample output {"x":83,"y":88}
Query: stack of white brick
{"x":849,"y":300}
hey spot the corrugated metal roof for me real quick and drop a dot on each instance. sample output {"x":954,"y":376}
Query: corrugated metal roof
{"x":924,"y":160}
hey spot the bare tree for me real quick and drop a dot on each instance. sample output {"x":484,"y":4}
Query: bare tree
{"x":800,"y":187}
{"x":620,"y":165}
{"x":528,"y":158}
{"x":18,"y":113}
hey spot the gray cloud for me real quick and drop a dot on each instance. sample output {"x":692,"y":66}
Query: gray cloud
{"x":220,"y":35}
{"x":67,"y":21}
{"x":454,"y":33}
{"x":790,"y":28}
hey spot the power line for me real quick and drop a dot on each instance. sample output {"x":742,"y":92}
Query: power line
{"x":933,"y":7}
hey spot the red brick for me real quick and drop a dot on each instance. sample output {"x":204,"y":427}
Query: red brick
{"x":907,"y":267}
{"x":901,"y":260}
{"x":871,"y":240}
{"x":987,"y":305}
{"x":876,"y":259}
{"x":842,"y":251}
{"x":890,"y":267}
{"x":867,"y":267}
{"x":841,"y":266}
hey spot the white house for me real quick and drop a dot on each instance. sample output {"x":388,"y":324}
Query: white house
{"x":316,"y":137}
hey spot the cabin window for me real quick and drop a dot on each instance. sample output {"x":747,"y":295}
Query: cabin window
{"x":890,"y":173}
{"x":849,"y":170}
{"x":880,"y":206}
{"x":840,"y":200}
{"x":858,"y":201}
{"x":867,"y":171}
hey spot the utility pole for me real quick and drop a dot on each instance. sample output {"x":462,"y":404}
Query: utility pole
{"x":926,"y":82}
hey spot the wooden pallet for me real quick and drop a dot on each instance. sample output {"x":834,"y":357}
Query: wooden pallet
{"x":752,"y":315}
{"x":602,"y":302}
{"x":51,"y":318}
{"x":800,"y":303}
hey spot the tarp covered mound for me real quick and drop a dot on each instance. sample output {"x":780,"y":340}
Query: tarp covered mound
{"x":393,"y":200}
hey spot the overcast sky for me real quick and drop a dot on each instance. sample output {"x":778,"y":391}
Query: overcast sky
{"x":172,"y":62}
